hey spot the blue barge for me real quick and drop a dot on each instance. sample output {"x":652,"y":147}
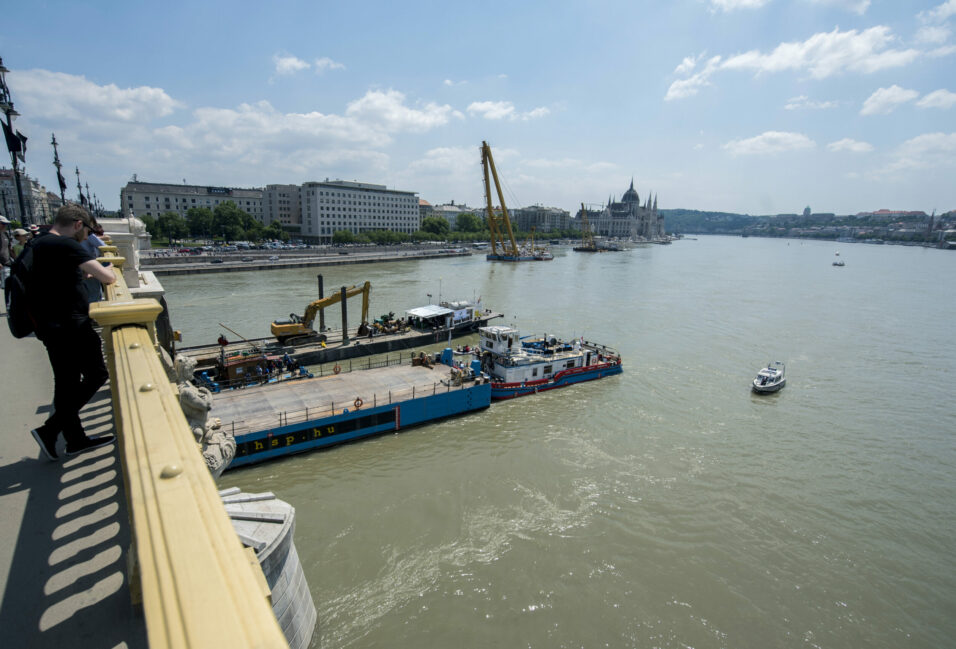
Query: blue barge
{"x":280,"y":419}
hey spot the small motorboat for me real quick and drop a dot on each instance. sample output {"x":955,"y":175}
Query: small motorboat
{"x":838,"y":261}
{"x":771,"y":378}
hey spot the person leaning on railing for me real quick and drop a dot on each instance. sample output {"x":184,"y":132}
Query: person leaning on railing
{"x":58,"y":302}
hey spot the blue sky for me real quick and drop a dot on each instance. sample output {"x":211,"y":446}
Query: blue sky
{"x":755,"y":106}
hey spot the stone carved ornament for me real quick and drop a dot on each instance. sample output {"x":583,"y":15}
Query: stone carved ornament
{"x":218,"y":445}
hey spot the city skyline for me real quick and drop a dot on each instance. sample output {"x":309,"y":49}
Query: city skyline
{"x":748,"y":106}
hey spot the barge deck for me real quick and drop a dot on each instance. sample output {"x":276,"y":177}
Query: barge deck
{"x":335,"y":348}
{"x":291,"y":417}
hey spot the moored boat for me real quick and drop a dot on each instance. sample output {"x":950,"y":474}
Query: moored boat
{"x":520,"y":367}
{"x":771,"y":378}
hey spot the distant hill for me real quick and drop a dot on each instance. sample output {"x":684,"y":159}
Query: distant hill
{"x":698,"y":222}
{"x":890,"y":225}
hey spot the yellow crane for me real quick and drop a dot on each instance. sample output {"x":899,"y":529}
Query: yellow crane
{"x":497,"y":225}
{"x":299,"y":328}
{"x":587,"y":237}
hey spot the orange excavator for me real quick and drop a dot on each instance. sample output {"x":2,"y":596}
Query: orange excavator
{"x":298,"y":328}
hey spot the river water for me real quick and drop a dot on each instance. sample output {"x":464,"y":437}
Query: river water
{"x":669,"y":506}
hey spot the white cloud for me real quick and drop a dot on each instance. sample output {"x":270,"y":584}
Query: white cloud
{"x":325,"y":63}
{"x":288,"y":64}
{"x":495,"y":110}
{"x":770,"y":142}
{"x":388,"y":109}
{"x":692,"y":85}
{"x":933,"y":34}
{"x":829,"y":53}
{"x":856,"y":6}
{"x":448,"y":161}
{"x":885,"y":100}
{"x":121,"y":131}
{"x":848,"y":144}
{"x":688,"y":64}
{"x":805,"y":103}
{"x":822,"y":55}
{"x":946,"y":50}
{"x":732,"y":5}
{"x":927,"y":151}
{"x":938,"y":99}
{"x":939,"y":13}
{"x":68,"y":97}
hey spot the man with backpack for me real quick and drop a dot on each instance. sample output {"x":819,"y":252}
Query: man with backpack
{"x":6,"y":249}
{"x":58,"y":306}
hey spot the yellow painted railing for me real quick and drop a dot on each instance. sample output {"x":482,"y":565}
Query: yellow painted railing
{"x":198,"y":586}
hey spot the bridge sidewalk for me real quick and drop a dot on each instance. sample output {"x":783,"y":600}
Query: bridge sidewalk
{"x":64,"y":527}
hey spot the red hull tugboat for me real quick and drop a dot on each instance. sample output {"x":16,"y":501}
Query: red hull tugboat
{"x":520,"y":367}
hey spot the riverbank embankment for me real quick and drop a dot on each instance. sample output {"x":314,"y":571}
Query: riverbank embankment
{"x":233,"y":262}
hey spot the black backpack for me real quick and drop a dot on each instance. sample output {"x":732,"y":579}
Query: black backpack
{"x":15,"y":291}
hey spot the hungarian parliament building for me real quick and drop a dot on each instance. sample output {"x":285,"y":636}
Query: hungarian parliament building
{"x":627,"y":219}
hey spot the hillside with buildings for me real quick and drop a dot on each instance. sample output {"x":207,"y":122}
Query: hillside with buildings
{"x":895,"y":226}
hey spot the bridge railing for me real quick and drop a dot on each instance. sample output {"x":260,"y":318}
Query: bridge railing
{"x":197,"y":584}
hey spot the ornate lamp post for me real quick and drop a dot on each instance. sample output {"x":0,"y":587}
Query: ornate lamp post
{"x":16,"y":142}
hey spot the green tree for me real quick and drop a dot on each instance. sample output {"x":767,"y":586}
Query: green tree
{"x":469,"y":222}
{"x":150,"y":224}
{"x":199,"y":221}
{"x":227,"y":220}
{"x":343,"y":236}
{"x":275,"y":231}
{"x":172,"y":226}
{"x":435,"y":225}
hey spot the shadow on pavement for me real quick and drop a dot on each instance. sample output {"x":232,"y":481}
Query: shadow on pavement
{"x":68,"y":583}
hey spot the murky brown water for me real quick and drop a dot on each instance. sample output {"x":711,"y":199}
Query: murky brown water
{"x":668,"y":507}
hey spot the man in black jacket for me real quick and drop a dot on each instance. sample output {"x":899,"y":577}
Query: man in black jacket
{"x":59,"y":305}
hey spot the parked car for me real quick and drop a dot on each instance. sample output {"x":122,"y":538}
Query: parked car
{"x":248,"y":259}
{"x":274,"y":258}
{"x":217,"y":260}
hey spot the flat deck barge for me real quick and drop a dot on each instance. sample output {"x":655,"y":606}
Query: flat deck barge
{"x":335,"y":348}
{"x":289,"y":417}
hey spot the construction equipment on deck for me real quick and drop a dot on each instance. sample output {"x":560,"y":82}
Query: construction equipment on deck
{"x":587,"y":237}
{"x":298,"y":329}
{"x":497,"y":225}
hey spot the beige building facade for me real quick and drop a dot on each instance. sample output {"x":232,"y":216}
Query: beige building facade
{"x":357,"y":207}
{"x":153,"y":199}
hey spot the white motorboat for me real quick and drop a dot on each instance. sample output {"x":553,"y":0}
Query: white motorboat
{"x":771,"y":378}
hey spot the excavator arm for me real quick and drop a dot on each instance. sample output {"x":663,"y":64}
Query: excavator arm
{"x":314,"y":307}
{"x":300,"y":327}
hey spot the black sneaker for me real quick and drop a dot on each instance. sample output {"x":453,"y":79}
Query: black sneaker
{"x":89,"y":444}
{"x":47,"y":442}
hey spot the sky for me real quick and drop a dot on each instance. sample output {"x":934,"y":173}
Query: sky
{"x":748,"y":106}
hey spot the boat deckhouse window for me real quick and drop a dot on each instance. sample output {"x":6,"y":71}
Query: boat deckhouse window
{"x":547,"y":370}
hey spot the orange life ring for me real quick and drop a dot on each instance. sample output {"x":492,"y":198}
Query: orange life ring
{"x":358,"y":403}
{"x":336,"y":369}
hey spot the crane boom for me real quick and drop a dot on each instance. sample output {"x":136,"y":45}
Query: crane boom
{"x":314,"y":307}
{"x":586,"y":234}
{"x":497,"y":235}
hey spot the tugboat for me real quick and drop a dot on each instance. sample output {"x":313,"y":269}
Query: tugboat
{"x":771,"y":378}
{"x":520,"y":367}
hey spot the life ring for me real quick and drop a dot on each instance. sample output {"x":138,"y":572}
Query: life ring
{"x":336,"y":369}
{"x":358,"y":403}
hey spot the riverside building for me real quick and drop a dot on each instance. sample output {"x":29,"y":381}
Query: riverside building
{"x":357,"y":207}
{"x":39,"y":204}
{"x":627,"y":219}
{"x":153,"y":199}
